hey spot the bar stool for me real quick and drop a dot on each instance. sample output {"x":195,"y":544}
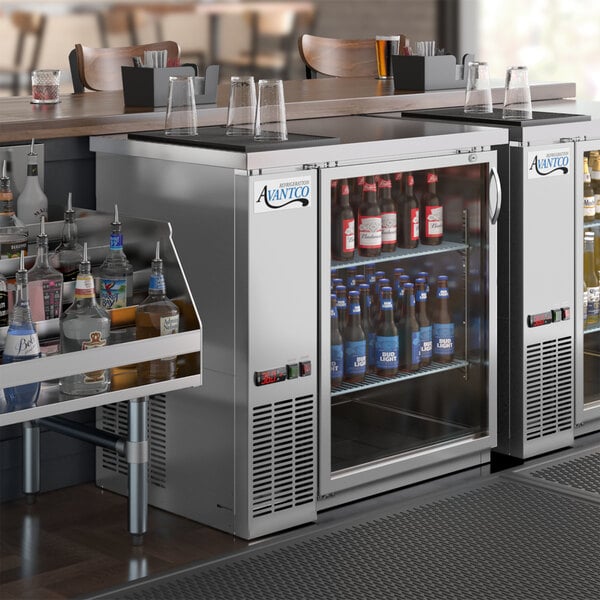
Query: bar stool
{"x":337,"y":57}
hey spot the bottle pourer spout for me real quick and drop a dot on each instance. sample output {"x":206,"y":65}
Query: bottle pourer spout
{"x":22,"y":261}
{"x":32,"y":150}
{"x":42,"y":225}
{"x":116,"y":214}
{"x":157,"y":256}
{"x":70,"y":202}
{"x":85,"y":256}
{"x":4,"y":169}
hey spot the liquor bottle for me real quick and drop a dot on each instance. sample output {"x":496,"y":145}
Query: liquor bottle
{"x":590,"y":277}
{"x":408,"y":216}
{"x":84,"y":326}
{"x":3,"y":301}
{"x":595,"y":175}
{"x":589,"y":199}
{"x":342,"y":304}
{"x":412,"y":336}
{"x":389,"y":215}
{"x":432,"y":214}
{"x":32,"y":203}
{"x":337,"y":347}
{"x":443,"y":328}
{"x":115,"y":275}
{"x":156,"y":316}
{"x":355,"y":345}
{"x":68,"y":254}
{"x":386,"y":340}
{"x":45,"y":282}
{"x":342,"y":224}
{"x":366,"y":323}
{"x":425,"y":328}
{"x":369,"y":221}
{"x":21,"y":343}
{"x":13,"y":233}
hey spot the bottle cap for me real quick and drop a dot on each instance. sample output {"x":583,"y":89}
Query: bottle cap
{"x":386,"y":288}
{"x":4,"y":180}
{"x":442,"y":277}
{"x":340,"y":288}
{"x":353,"y":294}
{"x":364,"y":286}
{"x":408,"y":285}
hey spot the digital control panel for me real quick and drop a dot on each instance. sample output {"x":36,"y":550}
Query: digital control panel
{"x":554,"y":315}
{"x":290,"y":371}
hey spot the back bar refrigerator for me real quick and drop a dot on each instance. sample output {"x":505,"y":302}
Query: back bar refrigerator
{"x":267,"y":441}
{"x":548,"y":361}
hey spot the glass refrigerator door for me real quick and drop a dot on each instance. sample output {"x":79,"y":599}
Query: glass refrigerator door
{"x":587,"y":294}
{"x":443,"y":393}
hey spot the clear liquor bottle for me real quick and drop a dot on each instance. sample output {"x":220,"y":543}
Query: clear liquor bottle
{"x":13,"y":233}
{"x":84,"y":326}
{"x":22,"y":343}
{"x":115,"y":275}
{"x":45,"y":283}
{"x":32,"y":203}
{"x":67,"y":256}
{"x":156,"y":316}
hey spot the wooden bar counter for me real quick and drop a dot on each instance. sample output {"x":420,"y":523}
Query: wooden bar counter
{"x":98,"y":113}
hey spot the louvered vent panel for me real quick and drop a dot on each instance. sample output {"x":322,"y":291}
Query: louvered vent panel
{"x":549,"y":388}
{"x":114,"y":419}
{"x":283,"y":455}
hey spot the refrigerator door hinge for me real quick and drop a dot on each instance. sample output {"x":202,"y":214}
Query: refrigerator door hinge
{"x":578,"y":138}
{"x":473,"y":150}
{"x":325,"y":165}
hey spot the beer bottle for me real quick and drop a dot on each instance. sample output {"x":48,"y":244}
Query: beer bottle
{"x":396,"y":274}
{"x":399,"y":309}
{"x":342,"y":304}
{"x":408,"y":216}
{"x":337,"y":346}
{"x":386,"y":341}
{"x":397,"y":186}
{"x":356,"y":193}
{"x":369,"y":221}
{"x":425,"y":328}
{"x":351,"y":277}
{"x":432,"y":214}
{"x":590,"y":277}
{"x":424,"y":275}
{"x":342,"y":224}
{"x":412,"y":336}
{"x":389,"y":215}
{"x":335,"y":282}
{"x":589,"y":200}
{"x":585,"y":303}
{"x":360,"y":278}
{"x":595,"y":174}
{"x":355,"y":345}
{"x":443,"y":328}
{"x":370,"y":273}
{"x":365,"y":312}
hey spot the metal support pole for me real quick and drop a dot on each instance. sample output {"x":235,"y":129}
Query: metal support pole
{"x":31,"y":460}
{"x":137,"y":459}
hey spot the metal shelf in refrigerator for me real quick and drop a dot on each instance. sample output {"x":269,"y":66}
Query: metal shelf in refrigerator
{"x":372,"y":381}
{"x":399,"y":254}
{"x":591,"y":224}
{"x":594,"y":329}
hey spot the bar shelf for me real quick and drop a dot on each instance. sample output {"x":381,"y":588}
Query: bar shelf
{"x":591,"y":224}
{"x":593,"y":329}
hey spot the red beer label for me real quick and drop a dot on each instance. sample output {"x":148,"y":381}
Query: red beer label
{"x":360,"y":180}
{"x":370,"y":187}
{"x":398,"y":176}
{"x":414,"y":224}
{"x":345,"y":191}
{"x":385,"y":183}
{"x":410,"y":180}
{"x":431,"y":178}
{"x":434,"y":226}
{"x":388,"y":228}
{"x":348,"y":235}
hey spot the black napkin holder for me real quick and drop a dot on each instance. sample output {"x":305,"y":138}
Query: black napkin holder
{"x":424,"y":73}
{"x":145,"y":87}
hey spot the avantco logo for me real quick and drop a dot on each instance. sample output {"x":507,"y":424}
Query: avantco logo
{"x":282,"y":194}
{"x":547,"y":163}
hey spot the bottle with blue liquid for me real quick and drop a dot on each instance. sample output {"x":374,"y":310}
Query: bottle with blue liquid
{"x":22,"y":343}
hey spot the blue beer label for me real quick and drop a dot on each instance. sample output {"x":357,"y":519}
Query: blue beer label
{"x":426,"y":341}
{"x":371,"y":351}
{"x":443,"y":338}
{"x":116,"y":241}
{"x":443,"y":293}
{"x":157,"y":283}
{"x":415,"y":357}
{"x":387,"y":305}
{"x":386,"y":348}
{"x":354,"y":309}
{"x":422,"y":296}
{"x":333,"y":312}
{"x":355,"y":358}
{"x":337,"y":361}
{"x":412,"y":299}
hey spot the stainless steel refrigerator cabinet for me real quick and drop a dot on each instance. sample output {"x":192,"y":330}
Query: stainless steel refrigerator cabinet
{"x":268,"y":443}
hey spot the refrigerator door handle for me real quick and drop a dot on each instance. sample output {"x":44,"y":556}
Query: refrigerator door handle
{"x":496,"y":179}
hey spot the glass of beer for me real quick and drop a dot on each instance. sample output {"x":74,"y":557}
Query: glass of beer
{"x":385,"y":47}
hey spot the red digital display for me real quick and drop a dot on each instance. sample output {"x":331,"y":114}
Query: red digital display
{"x":270,"y":376}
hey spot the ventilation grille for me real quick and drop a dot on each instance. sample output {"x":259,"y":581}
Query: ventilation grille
{"x":549,"y":388}
{"x":114,"y":419}
{"x":283,"y":455}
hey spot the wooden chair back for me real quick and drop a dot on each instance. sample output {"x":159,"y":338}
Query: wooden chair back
{"x":99,"y":69}
{"x":338,"y":57}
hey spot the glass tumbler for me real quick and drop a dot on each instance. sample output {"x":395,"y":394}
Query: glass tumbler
{"x":242,"y":106}
{"x":478,"y":97}
{"x":45,"y":85}
{"x":270,"y":123}
{"x":517,"y":96}
{"x":181,"y":116}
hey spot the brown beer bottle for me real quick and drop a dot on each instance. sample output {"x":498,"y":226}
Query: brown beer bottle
{"x":369,"y":221}
{"x":425,"y":328}
{"x":356,"y":190}
{"x":389,"y":215}
{"x":355,"y":344}
{"x":412,"y":336}
{"x":342,"y":224}
{"x":408,"y":216}
{"x":443,"y":328}
{"x":432,"y":214}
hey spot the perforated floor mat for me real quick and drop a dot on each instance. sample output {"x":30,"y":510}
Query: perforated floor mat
{"x":500,"y":539}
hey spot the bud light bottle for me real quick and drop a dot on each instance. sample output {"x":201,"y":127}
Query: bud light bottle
{"x":443,"y":328}
{"x":365,"y":312}
{"x":355,"y":345}
{"x":342,"y":304}
{"x":425,"y":328}
{"x":386,"y":340}
{"x":337,"y":346}
{"x":412,"y":336}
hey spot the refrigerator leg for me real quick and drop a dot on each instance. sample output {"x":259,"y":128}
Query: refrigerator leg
{"x":137,"y":459}
{"x":31,"y":460}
